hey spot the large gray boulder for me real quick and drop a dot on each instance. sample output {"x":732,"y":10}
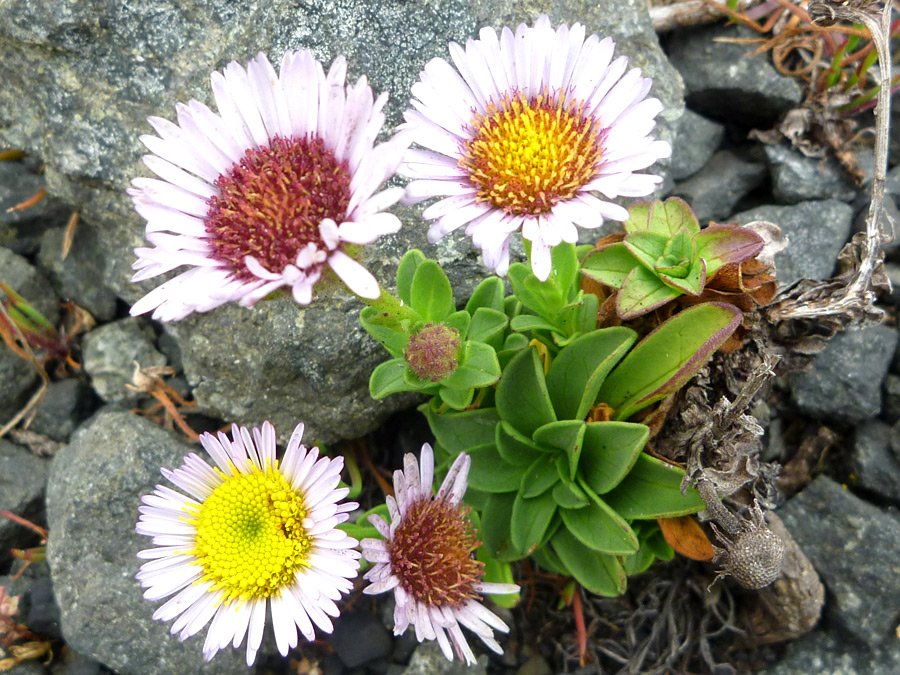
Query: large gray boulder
{"x":81,"y":77}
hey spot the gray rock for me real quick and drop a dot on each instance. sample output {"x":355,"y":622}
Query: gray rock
{"x":892,"y":398}
{"x":798,"y":178}
{"x":873,"y":465}
{"x":109,"y":355}
{"x":698,"y":138}
{"x":18,"y":378}
{"x":816,"y":232}
{"x":350,"y":648}
{"x":92,"y":506}
{"x":845,"y":381}
{"x":428,"y":659}
{"x":81,"y":79}
{"x":853,"y":546}
{"x":720,"y":185}
{"x":23,"y":479}
{"x":75,"y":278}
{"x":20,"y":231}
{"x":26,"y":280}
{"x":66,"y":404}
{"x":830,"y":653}
{"x":721,"y":81}
{"x":893,"y":273}
{"x":37,"y":605}
{"x":892,"y":215}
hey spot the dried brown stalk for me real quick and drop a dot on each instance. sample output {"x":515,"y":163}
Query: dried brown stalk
{"x":687,"y":13}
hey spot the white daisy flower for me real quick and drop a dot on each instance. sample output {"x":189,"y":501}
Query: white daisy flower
{"x":426,"y":559}
{"x":249,"y":533}
{"x":267,"y":192}
{"x":523,"y":132}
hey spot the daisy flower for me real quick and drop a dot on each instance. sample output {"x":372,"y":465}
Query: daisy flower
{"x":267,"y":192}
{"x":523,"y":132}
{"x":426,"y":559}
{"x":247,"y":534}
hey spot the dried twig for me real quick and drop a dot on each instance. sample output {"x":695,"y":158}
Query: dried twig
{"x":850,"y":297}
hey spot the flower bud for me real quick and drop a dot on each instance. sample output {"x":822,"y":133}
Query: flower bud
{"x":433,"y":352}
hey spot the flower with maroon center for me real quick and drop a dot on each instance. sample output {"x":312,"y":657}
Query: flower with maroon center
{"x":266,"y":193}
{"x":523,"y":133}
{"x":426,"y":559}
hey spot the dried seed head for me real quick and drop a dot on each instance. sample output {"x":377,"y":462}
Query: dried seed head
{"x":754,"y":556}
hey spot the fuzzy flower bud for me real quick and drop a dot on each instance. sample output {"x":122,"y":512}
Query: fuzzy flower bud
{"x":433,"y":352}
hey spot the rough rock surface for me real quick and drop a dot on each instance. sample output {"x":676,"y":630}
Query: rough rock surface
{"x":698,"y":138}
{"x":93,"y":495}
{"x":80,"y":79}
{"x":109,"y":355}
{"x":705,"y":191}
{"x":816,"y":233}
{"x":853,"y":546}
{"x":797,"y":178}
{"x":23,"y":477}
{"x":845,"y":380}
{"x":722,"y":82}
{"x":874,"y":466}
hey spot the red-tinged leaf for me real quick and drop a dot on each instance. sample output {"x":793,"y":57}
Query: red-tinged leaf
{"x":693,"y":283}
{"x":686,"y":536}
{"x":723,"y":244}
{"x":664,"y":360}
{"x":609,"y":265}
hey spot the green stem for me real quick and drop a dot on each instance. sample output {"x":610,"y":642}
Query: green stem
{"x":355,"y":476}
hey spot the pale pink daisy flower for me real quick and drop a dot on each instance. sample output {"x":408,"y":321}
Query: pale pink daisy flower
{"x":247,"y":534}
{"x":267,"y":192}
{"x":523,"y":132}
{"x":426,"y":559}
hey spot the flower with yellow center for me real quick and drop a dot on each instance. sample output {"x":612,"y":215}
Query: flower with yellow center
{"x":249,"y":533}
{"x":266,"y":194}
{"x":523,"y":133}
{"x":426,"y":559}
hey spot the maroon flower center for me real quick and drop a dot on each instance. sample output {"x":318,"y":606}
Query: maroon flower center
{"x":432,"y":353}
{"x":271,"y":204}
{"x":431,"y":553}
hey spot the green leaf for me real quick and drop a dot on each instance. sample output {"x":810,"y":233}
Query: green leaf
{"x":527,"y":322}
{"x":542,"y":298}
{"x":458,"y":399}
{"x":664,"y":360}
{"x":488,"y":294}
{"x":610,"y":450}
{"x":564,"y":266}
{"x":642,"y":292}
{"x":516,"y":448}
{"x":406,"y":271}
{"x":609,"y":265}
{"x":487,"y":326}
{"x":478,"y":367}
{"x":652,"y":489}
{"x":459,"y":431}
{"x":723,"y":244}
{"x":692,"y":283}
{"x":522,"y":398}
{"x":639,"y":217}
{"x":568,"y":495}
{"x":385,"y":329}
{"x":586,"y":313}
{"x":599,"y":527}
{"x":639,"y":562}
{"x":547,"y":558}
{"x":530,"y":520}
{"x":564,"y":435}
{"x":494,"y":532}
{"x":539,"y":477}
{"x":388,"y":378}
{"x":430,"y":294}
{"x":460,"y":321}
{"x":597,"y":572}
{"x":646,"y":247}
{"x":490,"y":473}
{"x":578,"y":371}
{"x":497,"y":572}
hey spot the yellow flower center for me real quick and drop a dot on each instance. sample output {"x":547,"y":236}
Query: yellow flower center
{"x":527,"y":155}
{"x":250,"y":535}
